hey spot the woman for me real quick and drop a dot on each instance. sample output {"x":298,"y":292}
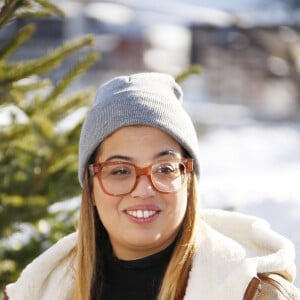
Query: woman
{"x":139,"y":234}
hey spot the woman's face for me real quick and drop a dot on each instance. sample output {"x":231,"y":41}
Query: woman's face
{"x":131,"y":236}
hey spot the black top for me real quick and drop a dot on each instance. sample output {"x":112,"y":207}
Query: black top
{"x":136,"y":279}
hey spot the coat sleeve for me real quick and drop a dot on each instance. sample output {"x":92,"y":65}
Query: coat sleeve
{"x":271,"y":287}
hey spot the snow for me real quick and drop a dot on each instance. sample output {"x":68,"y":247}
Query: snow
{"x":10,"y":114}
{"x":255,"y":169}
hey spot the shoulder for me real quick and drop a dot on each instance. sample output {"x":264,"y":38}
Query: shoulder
{"x":267,"y":286}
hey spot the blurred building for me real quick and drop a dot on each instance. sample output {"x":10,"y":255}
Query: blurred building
{"x":257,"y":66}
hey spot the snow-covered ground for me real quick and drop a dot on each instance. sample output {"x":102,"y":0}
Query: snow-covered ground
{"x":255,"y":169}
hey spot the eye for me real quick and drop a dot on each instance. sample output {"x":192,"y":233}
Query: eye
{"x":121,"y":170}
{"x":170,"y":168}
{"x":166,"y":169}
{"x":116,"y":171}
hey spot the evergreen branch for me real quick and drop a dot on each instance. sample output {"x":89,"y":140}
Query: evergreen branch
{"x":34,"y":15}
{"x":17,"y":40}
{"x":31,"y":86}
{"x":15,"y":97}
{"x":8,"y":10}
{"x":52,"y":7}
{"x":71,"y":102}
{"x":18,"y":94}
{"x":46,"y":63}
{"x":43,"y":127}
{"x":36,"y":159}
{"x":20,"y":88}
{"x":8,"y":137}
{"x":4,"y":93}
{"x":79,"y":98}
{"x":40,"y":178}
{"x":81,"y":67}
{"x":47,"y":9}
{"x":193,"y":69}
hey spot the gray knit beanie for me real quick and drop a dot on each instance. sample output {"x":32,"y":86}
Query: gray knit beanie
{"x":150,"y":99}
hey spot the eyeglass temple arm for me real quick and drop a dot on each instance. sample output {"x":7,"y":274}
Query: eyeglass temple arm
{"x":189,"y":165}
{"x":91,"y":169}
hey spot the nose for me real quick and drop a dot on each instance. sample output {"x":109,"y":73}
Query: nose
{"x":144,"y":188}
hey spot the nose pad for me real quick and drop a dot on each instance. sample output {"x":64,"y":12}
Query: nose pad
{"x":143,"y":187}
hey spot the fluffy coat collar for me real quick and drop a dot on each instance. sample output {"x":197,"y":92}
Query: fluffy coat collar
{"x":231,"y":249}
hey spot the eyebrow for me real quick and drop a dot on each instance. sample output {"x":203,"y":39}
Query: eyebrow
{"x":121,"y":157}
{"x":168,"y":153}
{"x":158,"y":155}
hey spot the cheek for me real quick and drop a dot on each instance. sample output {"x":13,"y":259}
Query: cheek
{"x":183,"y":202}
{"x":178,"y":205}
{"x":106,"y":205}
{"x":109,"y":213}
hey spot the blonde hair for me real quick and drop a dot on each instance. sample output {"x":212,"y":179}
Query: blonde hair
{"x":86,"y":248}
{"x":175,"y":279}
{"x":92,"y":237}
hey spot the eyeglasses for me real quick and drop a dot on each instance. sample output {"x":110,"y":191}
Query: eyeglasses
{"x":118,"y":178}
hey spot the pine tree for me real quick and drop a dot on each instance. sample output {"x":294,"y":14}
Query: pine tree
{"x":38,"y":160}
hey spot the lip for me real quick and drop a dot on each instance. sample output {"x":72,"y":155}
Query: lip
{"x":142,"y":214}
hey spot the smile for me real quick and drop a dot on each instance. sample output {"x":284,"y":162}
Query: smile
{"x":141,"y":214}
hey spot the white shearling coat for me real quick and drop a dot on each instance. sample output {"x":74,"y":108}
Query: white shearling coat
{"x":231,"y":249}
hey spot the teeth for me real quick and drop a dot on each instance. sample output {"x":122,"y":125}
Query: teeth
{"x":141,"y":213}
